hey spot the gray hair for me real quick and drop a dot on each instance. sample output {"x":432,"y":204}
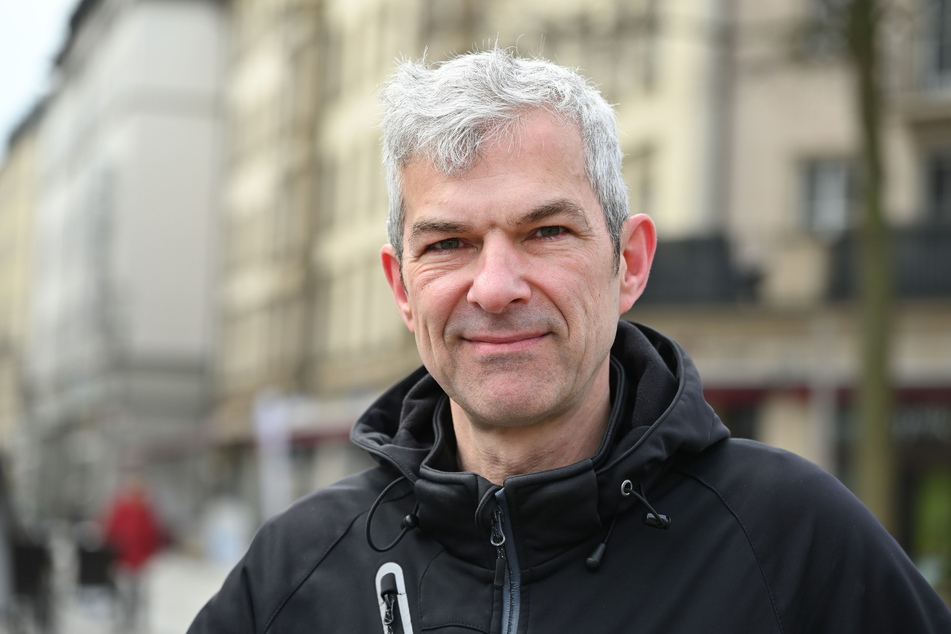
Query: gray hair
{"x":448,"y":112}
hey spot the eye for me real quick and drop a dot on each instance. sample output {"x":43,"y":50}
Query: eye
{"x":550,"y":232}
{"x":446,"y":245}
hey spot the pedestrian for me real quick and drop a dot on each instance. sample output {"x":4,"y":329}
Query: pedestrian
{"x":550,"y":468}
{"x":132,"y":532}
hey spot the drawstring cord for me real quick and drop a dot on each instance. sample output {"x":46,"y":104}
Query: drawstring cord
{"x":409,"y":522}
{"x":652,"y":518}
{"x":594,"y":561}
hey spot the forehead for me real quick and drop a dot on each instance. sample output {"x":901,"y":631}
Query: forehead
{"x":540,"y":156}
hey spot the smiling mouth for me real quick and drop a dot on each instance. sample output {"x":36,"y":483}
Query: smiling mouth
{"x":505,"y":343}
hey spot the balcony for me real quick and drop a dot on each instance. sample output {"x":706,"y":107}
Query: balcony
{"x":922,"y":263}
{"x":694,"y":271}
{"x":921,"y":85}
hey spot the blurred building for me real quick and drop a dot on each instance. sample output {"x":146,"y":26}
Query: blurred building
{"x":265,"y":303}
{"x":18,"y":195}
{"x":129,"y":177}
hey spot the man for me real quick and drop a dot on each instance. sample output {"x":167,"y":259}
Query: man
{"x":551,"y":469}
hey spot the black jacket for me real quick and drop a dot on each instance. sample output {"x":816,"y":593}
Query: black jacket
{"x":671,"y":527}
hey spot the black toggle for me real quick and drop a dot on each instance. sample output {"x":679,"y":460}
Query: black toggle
{"x":594,"y":561}
{"x":657,"y":521}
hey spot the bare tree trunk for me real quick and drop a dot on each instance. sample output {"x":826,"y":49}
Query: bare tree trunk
{"x":875,"y":457}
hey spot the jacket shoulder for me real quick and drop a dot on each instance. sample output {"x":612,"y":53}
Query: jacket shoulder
{"x":286,"y":550}
{"x":324,"y":512}
{"x":828,"y":562}
{"x":750,"y":476}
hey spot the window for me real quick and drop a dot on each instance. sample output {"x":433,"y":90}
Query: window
{"x":828,"y":195}
{"x":638,"y":26}
{"x":824,"y":32}
{"x":639,"y":174}
{"x":938,"y":187}
{"x":937,"y":42}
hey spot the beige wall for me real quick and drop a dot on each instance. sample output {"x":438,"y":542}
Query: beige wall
{"x":18,"y":195}
{"x":268,"y":200}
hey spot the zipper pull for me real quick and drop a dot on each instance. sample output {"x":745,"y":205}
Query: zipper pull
{"x":388,"y":592}
{"x":392,"y":600}
{"x":497,"y":539}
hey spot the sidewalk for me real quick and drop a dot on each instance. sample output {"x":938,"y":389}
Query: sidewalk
{"x":176,"y":589}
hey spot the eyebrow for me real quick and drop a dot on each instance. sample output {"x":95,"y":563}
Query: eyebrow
{"x":438,"y":226}
{"x":562,"y":206}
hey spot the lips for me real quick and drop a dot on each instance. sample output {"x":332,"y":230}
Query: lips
{"x":502,"y":339}
{"x":496,"y":343}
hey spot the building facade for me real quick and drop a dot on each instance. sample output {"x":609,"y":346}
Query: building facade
{"x":122,"y":330}
{"x":18,"y":194}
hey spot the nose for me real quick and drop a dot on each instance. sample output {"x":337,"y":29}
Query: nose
{"x":499,"y":279}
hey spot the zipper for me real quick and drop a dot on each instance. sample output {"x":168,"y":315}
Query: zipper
{"x":507,"y":575}
{"x":394,"y":604}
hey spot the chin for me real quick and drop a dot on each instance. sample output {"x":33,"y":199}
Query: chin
{"x":509,"y":410}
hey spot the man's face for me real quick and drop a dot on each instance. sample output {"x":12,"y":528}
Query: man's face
{"x":508,"y":278}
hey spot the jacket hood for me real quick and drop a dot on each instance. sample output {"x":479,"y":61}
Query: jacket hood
{"x":658,"y":412}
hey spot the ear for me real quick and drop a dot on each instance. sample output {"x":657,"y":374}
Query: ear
{"x":638,"y":242}
{"x":391,"y":268}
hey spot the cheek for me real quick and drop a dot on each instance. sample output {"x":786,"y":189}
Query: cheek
{"x":588,"y":290}
{"x":590,"y":309}
{"x":432,"y":305}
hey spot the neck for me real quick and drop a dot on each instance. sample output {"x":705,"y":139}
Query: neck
{"x":496,"y":452}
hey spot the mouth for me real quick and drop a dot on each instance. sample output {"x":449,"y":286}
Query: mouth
{"x":496,"y":343}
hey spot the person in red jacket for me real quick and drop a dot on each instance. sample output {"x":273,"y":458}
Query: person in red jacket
{"x":132,"y":530}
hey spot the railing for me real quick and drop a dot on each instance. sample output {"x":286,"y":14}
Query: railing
{"x":921,"y":257}
{"x":694,"y":270}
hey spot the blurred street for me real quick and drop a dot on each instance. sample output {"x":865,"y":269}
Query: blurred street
{"x":177,"y":586}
